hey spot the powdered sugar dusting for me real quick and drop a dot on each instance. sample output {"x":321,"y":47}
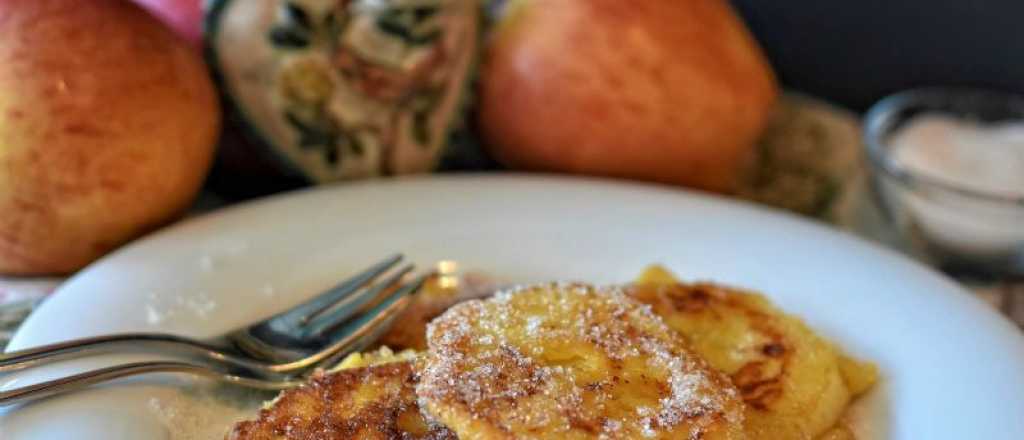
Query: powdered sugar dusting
{"x":153,"y":316}
{"x":550,"y":358}
{"x":160,"y":308}
{"x":202,"y":412}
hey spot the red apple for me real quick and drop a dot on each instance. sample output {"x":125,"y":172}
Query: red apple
{"x":673,"y":91}
{"x":108,"y":125}
{"x":184,"y":16}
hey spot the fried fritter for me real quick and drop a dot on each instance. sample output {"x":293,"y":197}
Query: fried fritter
{"x":436,"y":296}
{"x":796,"y":385}
{"x":570,"y":362}
{"x":370,"y":403}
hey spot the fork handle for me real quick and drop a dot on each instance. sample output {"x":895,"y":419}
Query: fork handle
{"x":138,"y":342}
{"x":82,"y":380}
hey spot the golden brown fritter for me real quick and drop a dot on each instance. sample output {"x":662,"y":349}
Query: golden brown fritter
{"x":371,"y":403}
{"x":573,"y":361}
{"x":796,"y":385}
{"x":410,"y":328}
{"x":570,"y":362}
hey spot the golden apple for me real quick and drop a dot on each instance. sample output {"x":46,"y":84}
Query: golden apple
{"x":672,"y":91}
{"x":108,"y":124}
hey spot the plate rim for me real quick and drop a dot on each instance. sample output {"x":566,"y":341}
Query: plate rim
{"x":514,"y":177}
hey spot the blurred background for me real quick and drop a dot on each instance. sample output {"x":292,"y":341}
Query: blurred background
{"x":856,"y":52}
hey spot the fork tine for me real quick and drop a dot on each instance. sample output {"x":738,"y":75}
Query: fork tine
{"x":351,"y":305}
{"x":296,"y":316}
{"x":356,"y":297}
{"x":367,"y":327}
{"x":26,"y":393}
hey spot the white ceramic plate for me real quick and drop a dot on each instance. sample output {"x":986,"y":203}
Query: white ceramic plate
{"x":953,"y":369}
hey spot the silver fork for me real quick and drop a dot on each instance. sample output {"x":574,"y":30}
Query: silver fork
{"x":265,"y":354}
{"x":82,"y":380}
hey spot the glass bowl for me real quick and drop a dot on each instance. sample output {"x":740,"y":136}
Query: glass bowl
{"x":961,"y":230}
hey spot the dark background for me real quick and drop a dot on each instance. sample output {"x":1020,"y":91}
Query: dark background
{"x":853,"y":52}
